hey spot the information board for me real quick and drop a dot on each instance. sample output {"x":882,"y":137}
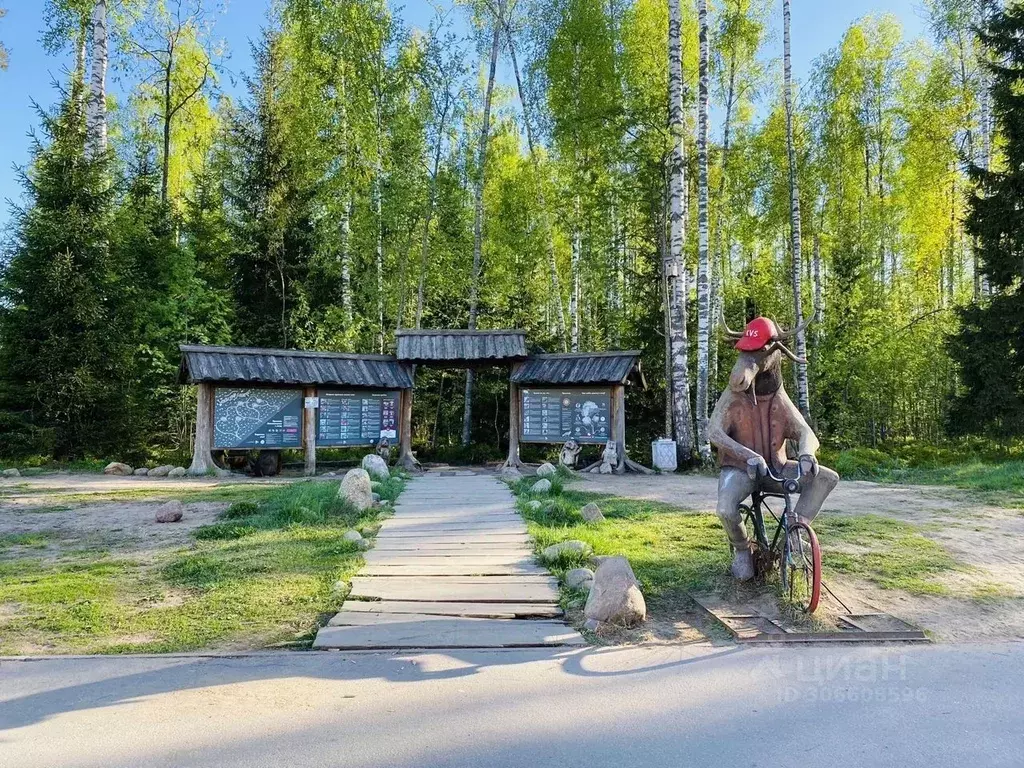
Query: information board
{"x":360,"y":417}
{"x":556,"y":415}
{"x":257,"y":418}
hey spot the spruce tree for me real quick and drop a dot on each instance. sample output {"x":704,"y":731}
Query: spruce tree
{"x":990,"y":344}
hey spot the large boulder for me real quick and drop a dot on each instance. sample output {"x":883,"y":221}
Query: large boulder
{"x":171,"y":512}
{"x":162,"y":471}
{"x":547,"y":469}
{"x":177,"y":472}
{"x":12,"y":472}
{"x":141,"y":472}
{"x":117,"y":468}
{"x":579,"y":578}
{"x":541,"y":486}
{"x":592,"y":513}
{"x":376,"y":466}
{"x":355,"y":489}
{"x":615,"y":597}
{"x":555,"y":551}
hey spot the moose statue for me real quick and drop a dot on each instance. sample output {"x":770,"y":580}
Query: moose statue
{"x":750,"y":425}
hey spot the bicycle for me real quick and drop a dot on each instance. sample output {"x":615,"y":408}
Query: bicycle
{"x":794,"y":547}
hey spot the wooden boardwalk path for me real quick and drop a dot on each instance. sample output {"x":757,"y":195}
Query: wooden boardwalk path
{"x":452,"y":569}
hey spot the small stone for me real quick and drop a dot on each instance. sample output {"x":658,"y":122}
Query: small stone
{"x":117,"y":468}
{"x":162,"y":471}
{"x":141,"y":472}
{"x":547,"y":469}
{"x":376,"y":466}
{"x":375,"y":497}
{"x":511,"y":474}
{"x":534,"y":506}
{"x":12,"y":472}
{"x":615,"y":597}
{"x":171,"y":512}
{"x":552,"y":553}
{"x":177,"y":472}
{"x":364,"y":544}
{"x":592,"y":513}
{"x":352,"y":535}
{"x":541,"y":486}
{"x":579,"y":578}
{"x":330,"y":474}
{"x":592,"y":625}
{"x":355,"y":489}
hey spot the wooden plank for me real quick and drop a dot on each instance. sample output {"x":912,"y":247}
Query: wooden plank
{"x":479,"y":591}
{"x":451,"y":569}
{"x":425,"y":631}
{"x":405,"y":558}
{"x":455,"y":537}
{"x":478,"y":610}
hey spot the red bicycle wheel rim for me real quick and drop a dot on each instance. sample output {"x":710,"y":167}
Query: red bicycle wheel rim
{"x":812,"y":537}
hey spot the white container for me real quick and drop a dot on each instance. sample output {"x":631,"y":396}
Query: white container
{"x":663,"y":453}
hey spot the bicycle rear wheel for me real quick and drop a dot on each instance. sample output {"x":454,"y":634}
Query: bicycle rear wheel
{"x":800,"y":567}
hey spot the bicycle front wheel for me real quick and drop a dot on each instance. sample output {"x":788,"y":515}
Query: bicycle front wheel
{"x":800,"y":567}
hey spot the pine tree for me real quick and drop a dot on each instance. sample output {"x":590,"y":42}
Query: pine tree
{"x":990,"y":345}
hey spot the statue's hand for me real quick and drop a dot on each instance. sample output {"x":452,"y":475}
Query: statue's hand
{"x":808,"y":465}
{"x":757,"y":467}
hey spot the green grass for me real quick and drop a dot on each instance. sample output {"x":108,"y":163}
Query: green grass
{"x":264,"y":574}
{"x":33,"y":540}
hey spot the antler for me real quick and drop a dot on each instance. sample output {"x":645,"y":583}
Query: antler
{"x":787,"y":335}
{"x":725,"y":326}
{"x":788,"y":353}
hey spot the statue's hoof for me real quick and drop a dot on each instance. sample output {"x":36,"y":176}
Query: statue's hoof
{"x":743,"y":565}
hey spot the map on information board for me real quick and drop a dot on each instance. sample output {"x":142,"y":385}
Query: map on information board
{"x":557,"y":415}
{"x":257,"y":418}
{"x":357,"y":417}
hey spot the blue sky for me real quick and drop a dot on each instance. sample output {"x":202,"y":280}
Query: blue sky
{"x":817,"y":26}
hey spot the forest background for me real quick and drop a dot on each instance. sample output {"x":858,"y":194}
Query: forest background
{"x":636,"y":170}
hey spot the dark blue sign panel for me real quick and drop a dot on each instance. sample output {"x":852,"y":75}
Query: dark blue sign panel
{"x":557,"y":415}
{"x":358,"y":417}
{"x":257,"y":418}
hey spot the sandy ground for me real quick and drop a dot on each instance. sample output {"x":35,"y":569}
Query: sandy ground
{"x":988,"y":539}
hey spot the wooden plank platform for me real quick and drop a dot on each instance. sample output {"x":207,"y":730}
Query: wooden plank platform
{"x":469,"y":610}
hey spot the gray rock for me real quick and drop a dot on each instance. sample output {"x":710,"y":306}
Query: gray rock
{"x":546,"y":469}
{"x":376,"y":466}
{"x":579,"y":578}
{"x":592,"y":625}
{"x":352,"y":535}
{"x":615,"y":597}
{"x":364,"y":544}
{"x":177,"y":472}
{"x":141,"y":472}
{"x":375,"y":486}
{"x":592,"y":513}
{"x":541,"y":486}
{"x":171,"y":512}
{"x":355,"y":489}
{"x":12,"y":472}
{"x":552,"y":553}
{"x":534,"y":506}
{"x":330,"y":474}
{"x":162,"y":471}
{"x":375,"y":497}
{"x":511,"y":474}
{"x":117,"y":468}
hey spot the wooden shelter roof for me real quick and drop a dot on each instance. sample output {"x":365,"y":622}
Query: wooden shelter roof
{"x":461,"y":346}
{"x":245,"y":365}
{"x":577,"y":369}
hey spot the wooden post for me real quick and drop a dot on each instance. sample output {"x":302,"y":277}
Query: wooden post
{"x":618,"y":416}
{"x":309,"y":432}
{"x":406,"y":459}
{"x":202,"y":460}
{"x":513,"y":421}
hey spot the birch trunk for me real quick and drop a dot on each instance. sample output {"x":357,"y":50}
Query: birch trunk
{"x":556,"y":283}
{"x":703,"y":256}
{"x":803,"y":399}
{"x":574,"y":296}
{"x":345,"y":217}
{"x":675,"y":267}
{"x":478,"y":215}
{"x":985,"y":107}
{"x":80,"y":56}
{"x":96,"y":108}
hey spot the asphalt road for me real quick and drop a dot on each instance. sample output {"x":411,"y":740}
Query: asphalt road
{"x":651,"y":706}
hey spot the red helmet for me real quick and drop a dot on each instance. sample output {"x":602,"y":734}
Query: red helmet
{"x":757,"y":334}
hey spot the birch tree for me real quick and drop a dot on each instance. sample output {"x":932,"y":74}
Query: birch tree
{"x":803,"y":398}
{"x":4,"y":58}
{"x":478,"y":209}
{"x":675,"y":265}
{"x":96,"y":105}
{"x":703,"y":256}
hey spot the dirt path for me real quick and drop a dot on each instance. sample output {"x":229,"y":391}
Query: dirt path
{"x":986,"y":599}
